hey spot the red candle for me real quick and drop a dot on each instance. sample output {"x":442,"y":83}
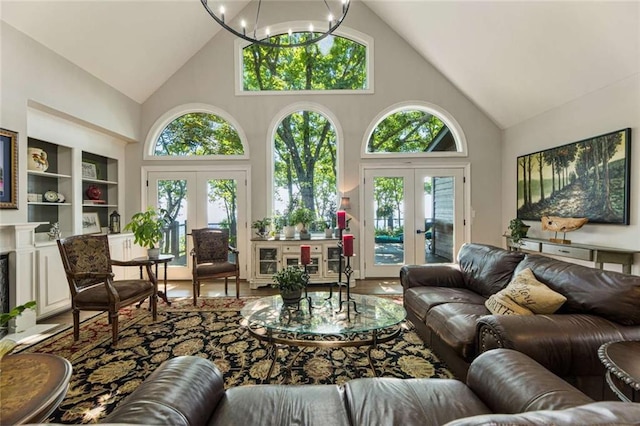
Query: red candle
{"x":342,"y":219}
{"x":305,"y":254}
{"x":347,"y":245}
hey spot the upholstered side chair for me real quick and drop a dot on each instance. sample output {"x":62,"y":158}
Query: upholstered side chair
{"x":87,"y":264}
{"x":210,"y":255}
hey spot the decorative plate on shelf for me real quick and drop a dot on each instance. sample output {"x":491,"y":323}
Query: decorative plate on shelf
{"x":51,"y":196}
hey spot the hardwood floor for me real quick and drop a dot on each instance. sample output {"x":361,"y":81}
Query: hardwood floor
{"x":216,"y":289}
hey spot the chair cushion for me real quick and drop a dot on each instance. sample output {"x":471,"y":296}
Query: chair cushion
{"x":206,"y":269}
{"x":126,"y":289}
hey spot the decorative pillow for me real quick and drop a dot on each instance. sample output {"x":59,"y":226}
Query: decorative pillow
{"x":501,"y":304}
{"x":528,"y":292}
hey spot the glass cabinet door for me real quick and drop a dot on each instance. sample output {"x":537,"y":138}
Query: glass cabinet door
{"x":267,"y":260}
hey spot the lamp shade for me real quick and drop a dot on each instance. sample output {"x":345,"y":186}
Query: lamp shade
{"x":345,"y":203}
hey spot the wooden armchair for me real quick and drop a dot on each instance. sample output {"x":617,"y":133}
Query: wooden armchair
{"x":87,"y":264}
{"x":210,"y":255}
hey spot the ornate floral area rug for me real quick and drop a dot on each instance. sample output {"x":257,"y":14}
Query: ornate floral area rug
{"x":103,"y":376}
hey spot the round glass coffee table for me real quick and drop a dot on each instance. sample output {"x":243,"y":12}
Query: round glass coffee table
{"x":377,"y":320}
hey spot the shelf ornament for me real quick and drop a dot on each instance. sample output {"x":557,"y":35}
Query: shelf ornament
{"x":562,"y":224}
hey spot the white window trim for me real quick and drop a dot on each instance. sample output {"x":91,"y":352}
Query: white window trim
{"x":282,"y":28}
{"x":166,"y":118}
{"x":288,"y":110}
{"x":442,"y":114}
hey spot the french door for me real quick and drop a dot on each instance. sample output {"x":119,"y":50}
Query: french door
{"x":200,"y":199}
{"x":411,"y":216}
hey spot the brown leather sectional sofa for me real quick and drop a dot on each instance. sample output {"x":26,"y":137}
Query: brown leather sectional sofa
{"x":446,"y":303}
{"x":190,"y":391}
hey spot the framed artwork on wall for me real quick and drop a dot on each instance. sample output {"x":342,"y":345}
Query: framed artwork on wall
{"x":8,"y":169}
{"x":589,"y":178}
{"x":91,"y":223}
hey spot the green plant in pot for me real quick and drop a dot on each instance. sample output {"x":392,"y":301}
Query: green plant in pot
{"x":517,"y":230}
{"x":261,"y":226}
{"x":7,"y":345}
{"x":148,"y":229}
{"x":303,"y":217}
{"x":290,"y":281}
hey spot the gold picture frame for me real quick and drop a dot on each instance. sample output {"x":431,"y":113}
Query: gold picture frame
{"x":8,"y":169}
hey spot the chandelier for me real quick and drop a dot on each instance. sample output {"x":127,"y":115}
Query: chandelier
{"x":335,"y":14}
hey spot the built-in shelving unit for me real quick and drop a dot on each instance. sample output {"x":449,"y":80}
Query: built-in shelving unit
{"x":106,"y":181}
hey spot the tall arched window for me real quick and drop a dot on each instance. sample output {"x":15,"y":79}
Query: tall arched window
{"x":305,"y":165}
{"x":412,"y":129}
{"x":198,"y":134}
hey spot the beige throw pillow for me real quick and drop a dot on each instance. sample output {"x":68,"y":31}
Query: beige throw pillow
{"x":528,"y":292}
{"x":501,"y":304}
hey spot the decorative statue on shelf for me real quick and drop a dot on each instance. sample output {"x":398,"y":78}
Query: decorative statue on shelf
{"x":562,"y":224}
{"x":54,"y":232}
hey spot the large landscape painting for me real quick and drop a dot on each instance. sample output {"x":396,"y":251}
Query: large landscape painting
{"x":589,"y":178}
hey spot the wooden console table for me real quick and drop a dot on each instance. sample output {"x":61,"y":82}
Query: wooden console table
{"x":597,"y":254}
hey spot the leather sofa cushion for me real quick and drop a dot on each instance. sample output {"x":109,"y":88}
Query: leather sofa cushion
{"x":455,"y":324}
{"x":392,"y":401}
{"x":420,"y":299}
{"x":594,"y":414}
{"x":310,"y":405}
{"x":487,"y":269}
{"x":608,"y":294}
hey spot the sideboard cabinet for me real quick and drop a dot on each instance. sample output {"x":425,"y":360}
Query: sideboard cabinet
{"x":597,"y":254}
{"x":270,"y":256}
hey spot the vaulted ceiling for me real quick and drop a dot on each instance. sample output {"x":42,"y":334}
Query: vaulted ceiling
{"x":514,"y":60}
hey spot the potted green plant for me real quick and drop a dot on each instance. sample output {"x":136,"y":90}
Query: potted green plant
{"x":302,"y":217}
{"x":148,"y":229}
{"x":517,"y":230}
{"x":290,"y":281}
{"x":288,"y":226}
{"x":260,"y":226}
{"x":7,"y":345}
{"x":277,"y":223}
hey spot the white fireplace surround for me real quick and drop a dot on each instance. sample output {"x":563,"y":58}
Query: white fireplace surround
{"x":18,"y":241}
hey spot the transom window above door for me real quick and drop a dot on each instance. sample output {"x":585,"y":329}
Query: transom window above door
{"x":198,"y":134}
{"x":419,"y":130}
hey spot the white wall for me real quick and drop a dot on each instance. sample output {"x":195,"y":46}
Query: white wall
{"x":400,"y":75}
{"x":34,"y":75}
{"x":612,"y":108}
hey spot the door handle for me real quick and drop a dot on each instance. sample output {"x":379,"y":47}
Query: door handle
{"x":420,"y":231}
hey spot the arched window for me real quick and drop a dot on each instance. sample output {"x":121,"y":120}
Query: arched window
{"x":305,"y":166}
{"x":414,"y":130}
{"x":198,"y":134}
{"x":336,"y":63}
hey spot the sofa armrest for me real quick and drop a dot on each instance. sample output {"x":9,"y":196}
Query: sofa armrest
{"x":565,"y":344}
{"x":182,"y":391}
{"x":434,"y":275}
{"x":508,"y":381}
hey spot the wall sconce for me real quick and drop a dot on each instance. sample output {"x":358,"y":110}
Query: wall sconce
{"x":345,"y":203}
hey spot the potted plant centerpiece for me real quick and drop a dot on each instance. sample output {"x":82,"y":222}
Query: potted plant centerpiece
{"x":517,"y":230}
{"x":261,"y":226}
{"x":148,"y":229}
{"x":290,"y":281}
{"x":302,"y":217}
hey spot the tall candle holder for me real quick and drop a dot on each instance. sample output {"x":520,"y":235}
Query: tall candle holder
{"x":305,"y":277}
{"x":340,"y":251}
{"x":349,"y":300}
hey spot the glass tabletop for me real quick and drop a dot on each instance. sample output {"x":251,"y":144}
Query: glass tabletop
{"x":374,"y":313}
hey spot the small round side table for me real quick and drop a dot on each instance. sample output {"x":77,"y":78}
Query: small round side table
{"x":622,"y":360}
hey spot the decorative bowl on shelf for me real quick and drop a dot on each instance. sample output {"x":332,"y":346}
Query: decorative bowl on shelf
{"x":93,"y":192}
